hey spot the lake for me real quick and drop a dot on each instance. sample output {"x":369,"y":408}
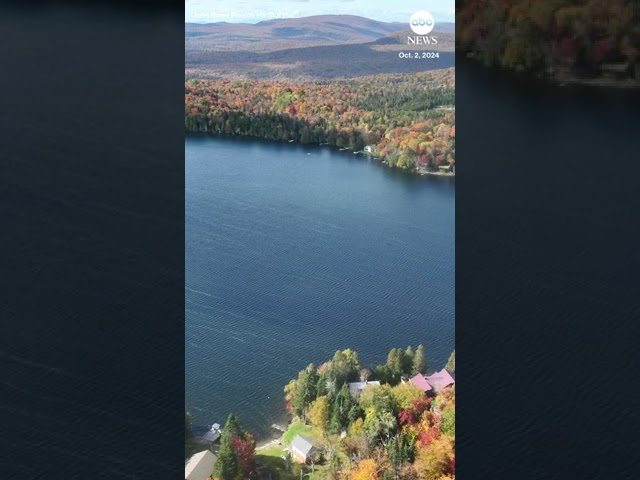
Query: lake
{"x":293,"y":252}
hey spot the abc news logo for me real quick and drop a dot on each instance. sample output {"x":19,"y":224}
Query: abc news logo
{"x":422,"y":24}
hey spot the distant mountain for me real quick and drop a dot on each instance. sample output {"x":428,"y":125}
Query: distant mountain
{"x":311,"y":48}
{"x":445,"y":27}
{"x":320,"y":29}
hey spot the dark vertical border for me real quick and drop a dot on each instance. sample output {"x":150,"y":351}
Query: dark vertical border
{"x":92,"y":321}
{"x":547,"y":283}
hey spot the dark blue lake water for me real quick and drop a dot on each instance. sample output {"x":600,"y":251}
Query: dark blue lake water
{"x":291,"y":256}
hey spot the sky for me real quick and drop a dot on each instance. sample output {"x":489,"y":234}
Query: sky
{"x":253,"y":11}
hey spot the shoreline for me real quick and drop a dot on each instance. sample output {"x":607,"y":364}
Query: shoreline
{"x":265,"y":444}
{"x":559,"y":79}
{"x":418,"y":172}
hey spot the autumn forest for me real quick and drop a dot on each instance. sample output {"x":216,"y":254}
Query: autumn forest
{"x":406,"y":121}
{"x":576,"y":36}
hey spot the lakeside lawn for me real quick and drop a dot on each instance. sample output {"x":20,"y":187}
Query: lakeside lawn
{"x":274,"y":451}
{"x":299,"y":428}
{"x":271,"y":457}
{"x":276,"y":468}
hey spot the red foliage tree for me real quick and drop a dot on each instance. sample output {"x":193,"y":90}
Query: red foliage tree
{"x":428,"y":436}
{"x":412,"y":415}
{"x":244,"y":450}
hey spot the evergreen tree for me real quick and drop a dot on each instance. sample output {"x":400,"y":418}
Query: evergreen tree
{"x":407,"y":364}
{"x":355,"y":413}
{"x":232,"y":427}
{"x":340,"y":412}
{"x":419,"y":361}
{"x":451,"y":363}
{"x":321,"y":387}
{"x":395,"y":362}
{"x":226,"y":466}
{"x":306,"y":389}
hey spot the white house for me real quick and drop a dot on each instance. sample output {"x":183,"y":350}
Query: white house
{"x":356,"y":388}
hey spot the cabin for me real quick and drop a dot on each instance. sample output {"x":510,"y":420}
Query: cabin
{"x":200,"y":466}
{"x":440,"y":380}
{"x":370,"y":149}
{"x":356,"y":388}
{"x":421,"y":381}
{"x":433,"y":383}
{"x":302,"y":449}
{"x":445,"y":168}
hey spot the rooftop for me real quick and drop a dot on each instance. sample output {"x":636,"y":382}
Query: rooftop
{"x":419,"y":380}
{"x":356,"y":387}
{"x":441,"y":379}
{"x":302,"y":445}
{"x":200,"y":466}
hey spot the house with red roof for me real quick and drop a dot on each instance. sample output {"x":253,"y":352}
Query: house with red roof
{"x":434,"y":382}
{"x":440,"y":380}
{"x":420,"y":380}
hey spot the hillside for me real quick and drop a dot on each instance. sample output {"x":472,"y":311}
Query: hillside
{"x":286,"y":33}
{"x":306,"y":49}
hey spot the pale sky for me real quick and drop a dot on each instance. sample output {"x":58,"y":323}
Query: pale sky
{"x":253,"y":11}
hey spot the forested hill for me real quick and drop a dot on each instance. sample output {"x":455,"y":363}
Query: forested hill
{"x":545,"y":37}
{"x":270,"y":34}
{"x":324,"y":47}
{"x":409,"y":120}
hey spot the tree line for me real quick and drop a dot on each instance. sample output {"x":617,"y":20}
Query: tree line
{"x":536,"y":36}
{"x":398,"y":115}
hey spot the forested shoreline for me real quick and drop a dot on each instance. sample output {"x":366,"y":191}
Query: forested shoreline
{"x":363,"y":424}
{"x":560,"y":39}
{"x":406,"y":121}
{"x":380,"y":427}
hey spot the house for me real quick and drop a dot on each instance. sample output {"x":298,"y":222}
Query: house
{"x":302,"y":449}
{"x":444,"y":168}
{"x":440,"y":380}
{"x":434,"y":382}
{"x":200,"y":466}
{"x":369,"y":149}
{"x":420,"y":380}
{"x":356,"y":388}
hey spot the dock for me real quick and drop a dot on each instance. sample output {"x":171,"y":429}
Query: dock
{"x":211,"y":435}
{"x":279,"y":428}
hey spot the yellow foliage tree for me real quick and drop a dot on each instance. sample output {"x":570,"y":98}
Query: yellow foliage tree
{"x":319,"y":412}
{"x":405,"y":394}
{"x":357,"y":428}
{"x":432,"y":462}
{"x":366,"y":470}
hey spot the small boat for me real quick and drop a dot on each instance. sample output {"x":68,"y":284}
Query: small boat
{"x":291,"y":141}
